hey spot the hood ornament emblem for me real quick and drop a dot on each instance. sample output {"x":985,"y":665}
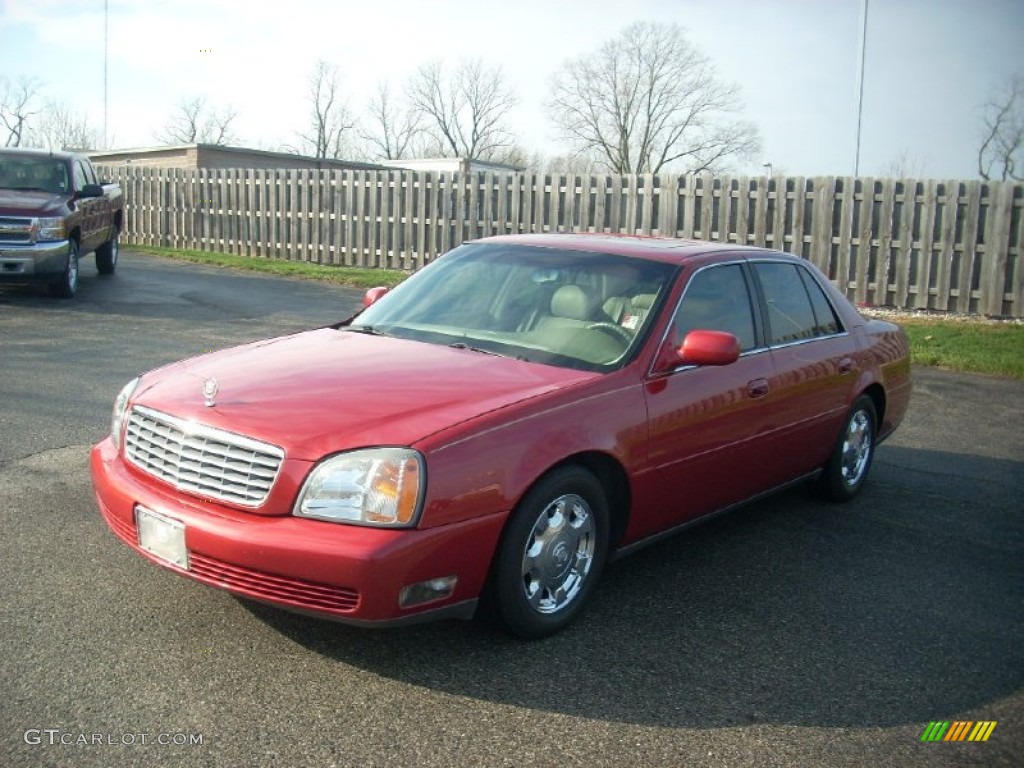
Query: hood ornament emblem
{"x":210,"y":390}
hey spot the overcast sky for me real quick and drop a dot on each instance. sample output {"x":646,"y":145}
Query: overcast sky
{"x":930,"y":64}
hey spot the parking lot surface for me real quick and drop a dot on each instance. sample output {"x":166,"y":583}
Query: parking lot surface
{"x":789,"y":633}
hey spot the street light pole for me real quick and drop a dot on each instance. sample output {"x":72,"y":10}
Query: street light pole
{"x":106,"y":29}
{"x":860,"y":80}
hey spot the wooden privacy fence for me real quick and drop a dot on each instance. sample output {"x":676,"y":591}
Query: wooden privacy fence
{"x":952,"y":246}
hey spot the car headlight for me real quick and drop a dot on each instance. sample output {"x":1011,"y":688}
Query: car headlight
{"x":374,"y":486}
{"x":120,"y":406}
{"x":50,"y":229}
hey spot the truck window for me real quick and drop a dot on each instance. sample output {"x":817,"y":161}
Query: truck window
{"x":85,"y":169}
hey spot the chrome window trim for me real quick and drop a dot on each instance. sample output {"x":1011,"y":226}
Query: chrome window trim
{"x":683,"y":368}
{"x":800,"y":342}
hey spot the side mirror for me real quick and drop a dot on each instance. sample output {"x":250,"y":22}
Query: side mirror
{"x":373,"y":295}
{"x":91,"y":190}
{"x":709,"y":348}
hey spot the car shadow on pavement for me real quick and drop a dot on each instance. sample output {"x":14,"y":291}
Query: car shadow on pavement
{"x":903,"y":606}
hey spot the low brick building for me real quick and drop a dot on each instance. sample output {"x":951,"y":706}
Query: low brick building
{"x":193,"y":156}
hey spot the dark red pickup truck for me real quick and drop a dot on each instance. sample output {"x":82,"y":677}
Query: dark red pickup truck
{"x":54,"y":209}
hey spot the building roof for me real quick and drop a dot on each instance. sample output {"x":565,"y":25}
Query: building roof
{"x":110,"y":154}
{"x":450,"y":163}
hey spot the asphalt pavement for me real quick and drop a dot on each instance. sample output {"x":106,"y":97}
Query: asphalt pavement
{"x":789,"y":633}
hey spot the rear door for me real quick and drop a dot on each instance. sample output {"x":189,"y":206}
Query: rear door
{"x":815,"y":363}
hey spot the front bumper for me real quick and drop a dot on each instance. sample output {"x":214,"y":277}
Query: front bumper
{"x":38,"y":261}
{"x":348,"y":573}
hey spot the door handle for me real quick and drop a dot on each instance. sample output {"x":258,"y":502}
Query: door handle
{"x":757,"y":388}
{"x":845,"y":365}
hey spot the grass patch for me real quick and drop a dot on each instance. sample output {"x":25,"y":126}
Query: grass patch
{"x":974,"y":346}
{"x":357,"y":277}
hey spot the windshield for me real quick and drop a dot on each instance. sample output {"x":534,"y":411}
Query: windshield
{"x":40,"y":173}
{"x":575,"y":309}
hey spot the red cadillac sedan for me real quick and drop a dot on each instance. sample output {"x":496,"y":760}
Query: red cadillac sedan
{"x":499,"y":426}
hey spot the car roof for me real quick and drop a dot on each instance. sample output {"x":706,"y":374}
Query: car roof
{"x":668,"y":249}
{"x":28,"y":152}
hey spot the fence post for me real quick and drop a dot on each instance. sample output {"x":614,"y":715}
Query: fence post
{"x":997,"y":247}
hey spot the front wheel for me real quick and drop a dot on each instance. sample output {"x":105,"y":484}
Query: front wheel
{"x":106,"y":255}
{"x":551,"y":554}
{"x":848,"y":468}
{"x":66,"y":285}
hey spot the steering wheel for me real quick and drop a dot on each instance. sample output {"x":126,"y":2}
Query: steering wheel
{"x":613,"y":330}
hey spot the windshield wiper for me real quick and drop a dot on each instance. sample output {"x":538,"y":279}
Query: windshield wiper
{"x":369,"y":330}
{"x":463,"y":345}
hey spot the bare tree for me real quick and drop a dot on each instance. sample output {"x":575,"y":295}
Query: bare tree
{"x":647,"y":99}
{"x":572,"y":163}
{"x":394,"y":127}
{"x":17,"y":105}
{"x":330,"y":119}
{"x":518,"y":156}
{"x":1001,"y":154}
{"x":905,"y":166}
{"x":193,"y":123}
{"x":58,"y":127}
{"x":465,"y":113}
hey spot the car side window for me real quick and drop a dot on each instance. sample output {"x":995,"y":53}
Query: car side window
{"x":79,"y":176}
{"x":824,"y":314}
{"x":87,"y":172}
{"x":791,"y":316}
{"x":717,"y":299}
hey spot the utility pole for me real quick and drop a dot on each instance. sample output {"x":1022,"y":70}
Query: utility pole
{"x":106,"y":30}
{"x":860,"y":80}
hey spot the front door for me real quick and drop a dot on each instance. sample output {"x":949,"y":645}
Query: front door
{"x":709,"y":425}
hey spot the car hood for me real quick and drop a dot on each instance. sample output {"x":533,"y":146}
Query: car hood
{"x":24,"y":202}
{"x":324,"y":391}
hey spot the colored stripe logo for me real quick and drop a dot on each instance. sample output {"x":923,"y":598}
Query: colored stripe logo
{"x":959,"y":730}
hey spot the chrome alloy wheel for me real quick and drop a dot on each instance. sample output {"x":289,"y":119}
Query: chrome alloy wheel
{"x":559,"y":553}
{"x":857,"y":445}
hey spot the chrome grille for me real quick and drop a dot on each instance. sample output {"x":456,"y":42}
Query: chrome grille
{"x":15,"y":231}
{"x":203,"y":460}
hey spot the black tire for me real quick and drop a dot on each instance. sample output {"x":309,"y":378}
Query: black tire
{"x":544,"y":574}
{"x":65,"y":286}
{"x":854,"y":451}
{"x":106,"y":255}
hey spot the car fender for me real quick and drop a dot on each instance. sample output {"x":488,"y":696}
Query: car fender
{"x":490,"y":469}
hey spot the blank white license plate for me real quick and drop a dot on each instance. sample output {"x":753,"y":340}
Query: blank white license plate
{"x":162,"y":536}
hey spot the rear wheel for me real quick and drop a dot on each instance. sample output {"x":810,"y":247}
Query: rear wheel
{"x":106,"y":255}
{"x":66,"y":285}
{"x":851,"y":458}
{"x":551,"y":554}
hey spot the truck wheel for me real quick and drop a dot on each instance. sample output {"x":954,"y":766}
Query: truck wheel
{"x":106,"y":255}
{"x":64,"y":287}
